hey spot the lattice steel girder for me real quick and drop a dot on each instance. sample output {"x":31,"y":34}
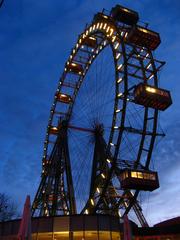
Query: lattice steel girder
{"x":55,"y":195}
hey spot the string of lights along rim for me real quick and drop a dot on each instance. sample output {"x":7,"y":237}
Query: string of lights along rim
{"x":104,"y":121}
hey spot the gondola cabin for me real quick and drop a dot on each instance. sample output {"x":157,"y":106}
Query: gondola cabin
{"x":53,"y":130}
{"x":139,"y":179}
{"x":90,"y":42}
{"x":51,"y":197}
{"x":144,"y":37}
{"x":153,"y":97}
{"x":75,"y":68}
{"x":101,"y":17}
{"x":124,"y":15}
{"x":64,"y":98}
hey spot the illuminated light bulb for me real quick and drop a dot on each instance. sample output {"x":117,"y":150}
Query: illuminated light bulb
{"x":147,"y":55}
{"x":104,"y":43}
{"x":151,"y":76}
{"x":98,"y":190}
{"x":149,"y":65}
{"x":111,"y":31}
{"x":74,"y":50}
{"x":105,"y":25}
{"x":86,"y":211}
{"x":116,"y":46}
{"x":126,"y":34}
{"x":97,"y":26}
{"x":118,"y":110}
{"x":150,"y":89}
{"x":122,"y":33}
{"x":119,"y":213}
{"x":118,"y":55}
{"x":103,"y":176}
{"x":104,"y":16}
{"x":94,"y":26}
{"x":82,"y":46}
{"x":107,"y":30}
{"x":128,"y":99}
{"x":120,"y":66}
{"x":132,"y":193}
{"x":108,"y":160}
{"x":68,"y":63}
{"x":84,"y":35}
{"x":119,"y":80}
{"x":97,"y":51}
{"x":120,"y":94}
{"x":101,"y":25}
{"x":112,"y":144}
{"x":90,"y":29}
{"x":92,"y":38}
{"x":71,"y":56}
{"x":92,"y":201}
{"x":79,"y":73}
{"x":113,"y":38}
{"x":116,"y":127}
{"x":80,"y":40}
{"x":77,"y":45}
{"x":126,"y":205}
{"x":92,"y":50}
{"x":100,"y":47}
{"x":65,"y":69}
{"x":74,"y":64}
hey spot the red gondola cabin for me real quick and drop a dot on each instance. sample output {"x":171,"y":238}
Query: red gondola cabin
{"x":75,"y":68}
{"x":139,"y":179}
{"x":124,"y":15}
{"x":101,"y":17}
{"x":90,"y":42}
{"x":64,"y":98}
{"x":53,"y":130}
{"x":144,"y":37}
{"x":149,"y":96}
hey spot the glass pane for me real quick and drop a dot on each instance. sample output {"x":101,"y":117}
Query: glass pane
{"x":104,"y":235}
{"x":61,"y":236}
{"x":91,"y":235}
{"x":45,"y":236}
{"x":116,"y":236}
{"x":134,"y":174}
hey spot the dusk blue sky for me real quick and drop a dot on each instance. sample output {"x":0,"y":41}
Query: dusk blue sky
{"x":35,"y":41}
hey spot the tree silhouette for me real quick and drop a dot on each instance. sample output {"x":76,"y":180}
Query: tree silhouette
{"x":8,"y":209}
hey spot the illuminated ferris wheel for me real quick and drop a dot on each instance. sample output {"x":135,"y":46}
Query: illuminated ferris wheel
{"x":103,"y":121}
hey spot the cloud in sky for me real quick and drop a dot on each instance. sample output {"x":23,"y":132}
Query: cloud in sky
{"x":36,"y":38}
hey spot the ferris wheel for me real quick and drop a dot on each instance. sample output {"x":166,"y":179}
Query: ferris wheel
{"x":103,"y":121}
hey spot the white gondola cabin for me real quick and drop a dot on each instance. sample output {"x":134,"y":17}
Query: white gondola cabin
{"x":124,"y":15}
{"x":153,"y":97}
{"x":139,"y":179}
